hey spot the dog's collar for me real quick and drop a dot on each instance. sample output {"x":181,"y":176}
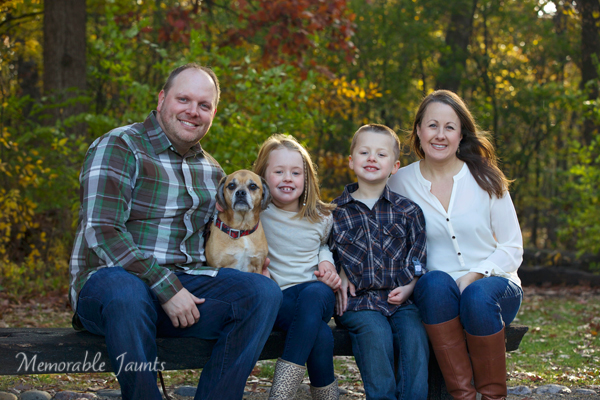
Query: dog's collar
{"x":233,"y":233}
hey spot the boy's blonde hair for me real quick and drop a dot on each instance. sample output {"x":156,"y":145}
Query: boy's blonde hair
{"x":377,"y":128}
{"x":313,"y":208}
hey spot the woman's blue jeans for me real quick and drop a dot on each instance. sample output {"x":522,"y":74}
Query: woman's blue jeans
{"x":238,"y":314}
{"x":392,"y":352}
{"x":485,"y":306}
{"x":305,"y":311}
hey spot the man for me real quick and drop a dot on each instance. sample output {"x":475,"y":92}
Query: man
{"x":138,"y":268}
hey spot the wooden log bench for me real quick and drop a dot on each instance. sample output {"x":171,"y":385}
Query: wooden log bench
{"x":63,"y":350}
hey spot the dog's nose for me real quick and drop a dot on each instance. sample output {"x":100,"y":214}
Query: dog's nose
{"x":240,"y":193}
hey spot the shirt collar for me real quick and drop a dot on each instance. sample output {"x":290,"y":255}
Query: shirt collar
{"x":158,"y":138}
{"x":346,"y":197}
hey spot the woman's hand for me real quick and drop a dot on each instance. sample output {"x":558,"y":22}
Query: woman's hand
{"x":327,"y":274}
{"x":341,"y":295}
{"x":467,"y":279}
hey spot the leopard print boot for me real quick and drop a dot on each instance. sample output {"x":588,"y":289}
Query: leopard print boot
{"x":286,"y":380}
{"x":329,"y":392}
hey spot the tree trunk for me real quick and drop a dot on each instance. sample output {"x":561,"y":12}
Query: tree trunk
{"x":454,"y":57}
{"x":590,"y":47}
{"x":28,"y":78}
{"x":64,"y":54}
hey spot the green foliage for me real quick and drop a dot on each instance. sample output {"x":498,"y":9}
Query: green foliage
{"x":259,"y":104}
{"x":36,"y":196}
{"x":583,"y":216}
{"x":317,"y":70}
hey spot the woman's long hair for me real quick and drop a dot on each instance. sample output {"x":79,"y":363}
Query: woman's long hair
{"x":475,"y":149}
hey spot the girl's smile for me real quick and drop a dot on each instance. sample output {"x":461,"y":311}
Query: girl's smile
{"x":285,"y":177}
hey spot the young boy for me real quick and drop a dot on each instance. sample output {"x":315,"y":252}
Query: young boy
{"x":378,"y":239}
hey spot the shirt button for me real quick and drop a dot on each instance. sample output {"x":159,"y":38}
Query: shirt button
{"x":453,"y":237}
{"x":187,"y":216}
{"x":486,"y":272}
{"x":447,"y":219}
{"x":459,"y":254}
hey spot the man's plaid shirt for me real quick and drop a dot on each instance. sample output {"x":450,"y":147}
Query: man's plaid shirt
{"x":143,"y":208}
{"x":376,"y":247}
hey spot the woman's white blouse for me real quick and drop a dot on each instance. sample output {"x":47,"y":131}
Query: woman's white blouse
{"x":476,"y":234}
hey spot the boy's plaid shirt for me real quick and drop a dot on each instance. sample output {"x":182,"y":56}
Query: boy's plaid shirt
{"x":376,"y":247}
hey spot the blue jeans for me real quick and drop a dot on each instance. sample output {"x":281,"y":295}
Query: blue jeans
{"x":305,"y":311}
{"x":392,"y":353}
{"x":238,"y":314}
{"x":485,"y":306}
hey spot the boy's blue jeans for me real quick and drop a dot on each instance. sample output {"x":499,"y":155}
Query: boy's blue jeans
{"x":305,"y":311}
{"x":392,"y":353}
{"x":485,"y":306}
{"x":238,"y":314}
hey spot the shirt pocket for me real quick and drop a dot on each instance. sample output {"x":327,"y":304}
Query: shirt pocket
{"x":351,"y":246}
{"x":394,"y":243}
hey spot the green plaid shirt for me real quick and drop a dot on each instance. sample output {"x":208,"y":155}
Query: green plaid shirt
{"x":143,"y":208}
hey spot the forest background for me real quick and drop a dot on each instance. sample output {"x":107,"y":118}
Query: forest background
{"x":71,"y":70}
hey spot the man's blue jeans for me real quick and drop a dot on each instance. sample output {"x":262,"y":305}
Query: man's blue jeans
{"x":238,"y":314}
{"x":304,"y":314}
{"x":485,"y":306}
{"x":392,"y":353}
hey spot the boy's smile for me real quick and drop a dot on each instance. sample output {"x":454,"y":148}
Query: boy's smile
{"x":373,"y":158}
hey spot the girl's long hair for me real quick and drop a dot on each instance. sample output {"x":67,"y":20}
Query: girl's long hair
{"x":312,"y":207}
{"x":475,"y":149}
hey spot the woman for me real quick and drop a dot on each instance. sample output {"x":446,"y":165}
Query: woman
{"x":474,"y":246}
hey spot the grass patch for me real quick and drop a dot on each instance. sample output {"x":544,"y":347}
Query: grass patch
{"x":563,"y":344}
{"x":265,"y":369}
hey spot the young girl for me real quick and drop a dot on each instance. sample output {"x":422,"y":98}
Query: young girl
{"x":297,"y":225}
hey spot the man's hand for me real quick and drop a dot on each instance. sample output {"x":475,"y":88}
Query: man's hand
{"x":467,"y":279}
{"x":182,"y":309}
{"x":265,"y":271}
{"x":327,"y":274}
{"x":341,"y":295}
{"x":401,"y":293}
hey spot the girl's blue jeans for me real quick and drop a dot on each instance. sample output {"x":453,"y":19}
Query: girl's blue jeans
{"x":238,"y":315}
{"x":485,"y":306}
{"x":392,"y":352}
{"x":305,"y":312}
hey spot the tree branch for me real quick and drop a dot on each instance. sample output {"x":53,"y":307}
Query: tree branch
{"x":11,"y":19}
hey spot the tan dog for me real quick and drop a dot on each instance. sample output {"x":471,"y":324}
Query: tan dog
{"x":236,"y":238}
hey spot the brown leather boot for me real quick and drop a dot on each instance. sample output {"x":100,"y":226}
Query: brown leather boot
{"x":488,"y":356}
{"x":448,"y":342}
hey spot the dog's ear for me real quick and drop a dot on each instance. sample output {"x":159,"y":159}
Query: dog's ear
{"x":266,"y":195}
{"x":221,"y":194}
